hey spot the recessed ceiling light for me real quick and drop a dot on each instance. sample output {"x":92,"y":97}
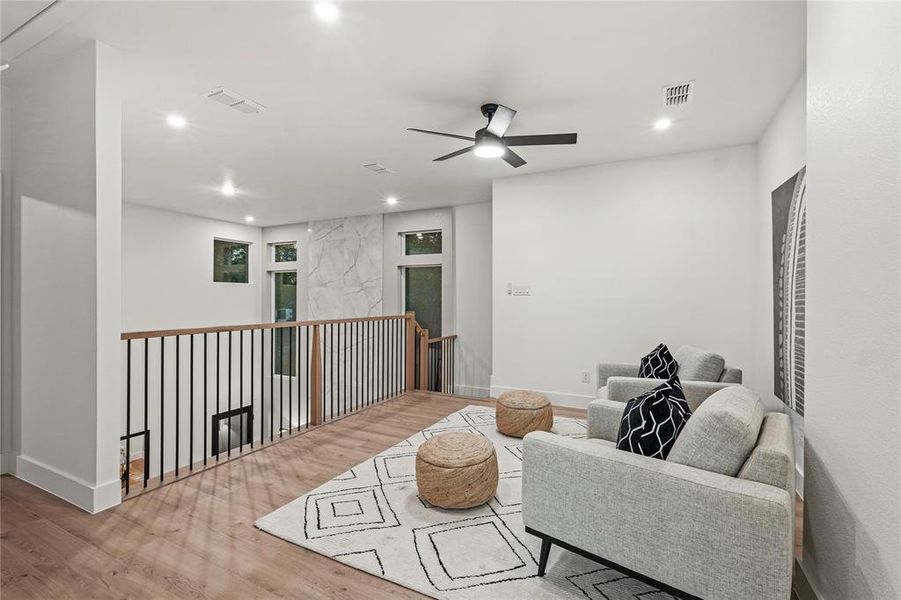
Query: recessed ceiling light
{"x":663,"y":124}
{"x":391,"y":200}
{"x":228,"y":189}
{"x":309,"y":230}
{"x":4,"y":67}
{"x":326,"y":11}
{"x":249,"y":218}
{"x":176,"y":121}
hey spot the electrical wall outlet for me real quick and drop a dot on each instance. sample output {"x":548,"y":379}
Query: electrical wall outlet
{"x":586,"y":377}
{"x":522,"y":290}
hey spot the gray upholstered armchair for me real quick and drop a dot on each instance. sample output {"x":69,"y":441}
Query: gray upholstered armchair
{"x":715,"y":520}
{"x":696,"y":367}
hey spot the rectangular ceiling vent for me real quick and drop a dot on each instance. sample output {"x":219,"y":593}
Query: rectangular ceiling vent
{"x":678,"y":94}
{"x":233,"y":100}
{"x":380,"y":169}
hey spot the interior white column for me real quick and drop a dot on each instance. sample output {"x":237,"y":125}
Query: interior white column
{"x":66,"y":155}
{"x":852,"y":420}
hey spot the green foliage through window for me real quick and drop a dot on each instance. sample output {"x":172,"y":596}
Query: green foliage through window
{"x":422,"y":242}
{"x":286,"y":252}
{"x":230,"y":261}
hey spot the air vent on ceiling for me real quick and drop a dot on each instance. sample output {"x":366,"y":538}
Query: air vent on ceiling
{"x":233,"y":100}
{"x":380,"y":169}
{"x":678,"y":94}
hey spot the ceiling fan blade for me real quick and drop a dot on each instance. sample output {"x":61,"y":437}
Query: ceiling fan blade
{"x":450,"y":135}
{"x":453,"y":154}
{"x":513,"y":159}
{"x":500,"y":120}
{"x":540,"y":140}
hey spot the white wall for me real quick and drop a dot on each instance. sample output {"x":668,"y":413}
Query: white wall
{"x":852,"y":423}
{"x":66,"y":178}
{"x":472,"y":270}
{"x":168,"y":272}
{"x":781,"y":152}
{"x":620,"y":257}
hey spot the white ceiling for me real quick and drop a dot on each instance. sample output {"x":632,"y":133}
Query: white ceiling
{"x":340,"y":95}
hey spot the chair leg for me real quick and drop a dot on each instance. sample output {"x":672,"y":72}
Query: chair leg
{"x":542,"y":560}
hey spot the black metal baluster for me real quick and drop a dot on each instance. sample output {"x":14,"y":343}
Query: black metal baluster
{"x":146,"y":424}
{"x":206,"y":412}
{"x":271,"y":383}
{"x":127,"y":414}
{"x":177,"y":414}
{"x":290,"y":374}
{"x":218,"y":404}
{"x":240,"y":393}
{"x":191,"y":415}
{"x":262,"y":380}
{"x":331,"y":367}
{"x":228,"y":418}
{"x":281,"y":381}
{"x":252,"y":403}
{"x":162,"y":403}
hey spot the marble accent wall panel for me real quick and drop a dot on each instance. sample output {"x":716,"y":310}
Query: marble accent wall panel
{"x":345,"y":268}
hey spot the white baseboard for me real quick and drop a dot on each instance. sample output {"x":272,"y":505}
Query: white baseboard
{"x":74,"y":490}
{"x":556,"y":398}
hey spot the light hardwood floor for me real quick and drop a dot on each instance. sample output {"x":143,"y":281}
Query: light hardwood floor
{"x":195,"y":538}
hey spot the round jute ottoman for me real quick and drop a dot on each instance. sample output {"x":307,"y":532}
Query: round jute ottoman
{"x":519,"y":412}
{"x":456,"y":470}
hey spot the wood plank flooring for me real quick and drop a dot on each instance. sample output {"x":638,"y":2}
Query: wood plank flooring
{"x":195,"y":538}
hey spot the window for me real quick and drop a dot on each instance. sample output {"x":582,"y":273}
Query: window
{"x":285,"y":252}
{"x":284,"y":308}
{"x":230,"y":261}
{"x":422,"y":293}
{"x":422,"y":242}
{"x":285,"y":296}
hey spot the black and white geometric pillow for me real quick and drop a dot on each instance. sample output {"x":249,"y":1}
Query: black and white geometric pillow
{"x":652,"y":422}
{"x":659,"y":364}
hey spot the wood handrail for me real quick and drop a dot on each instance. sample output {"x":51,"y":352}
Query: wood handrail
{"x":133,"y":335}
{"x":442,"y":338}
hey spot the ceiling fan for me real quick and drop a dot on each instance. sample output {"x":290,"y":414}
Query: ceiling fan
{"x":490,"y":142}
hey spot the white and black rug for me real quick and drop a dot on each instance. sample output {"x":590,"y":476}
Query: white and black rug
{"x":372,"y":518}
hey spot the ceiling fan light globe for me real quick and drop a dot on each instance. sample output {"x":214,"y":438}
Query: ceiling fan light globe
{"x":489,"y":150}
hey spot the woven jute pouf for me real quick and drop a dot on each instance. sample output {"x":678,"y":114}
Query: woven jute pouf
{"x":456,"y":470}
{"x":519,"y":412}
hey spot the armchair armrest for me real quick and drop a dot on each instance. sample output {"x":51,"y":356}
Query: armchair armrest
{"x":707,"y":534}
{"x":607,"y":370}
{"x":604,"y":417}
{"x":623,"y":389}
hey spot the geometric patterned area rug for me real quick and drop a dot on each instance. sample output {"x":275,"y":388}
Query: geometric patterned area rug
{"x":373,"y":519}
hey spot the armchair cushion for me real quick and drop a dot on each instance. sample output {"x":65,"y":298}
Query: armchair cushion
{"x":699,"y":365}
{"x":721,"y":433}
{"x":604,"y":417}
{"x":652,"y":421}
{"x":623,"y":389}
{"x":608,"y":370}
{"x":658,"y":364}
{"x":773,"y":459}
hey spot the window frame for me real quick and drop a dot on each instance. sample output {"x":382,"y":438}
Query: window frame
{"x":403,"y":239}
{"x":272,"y":252}
{"x":249,"y":260}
